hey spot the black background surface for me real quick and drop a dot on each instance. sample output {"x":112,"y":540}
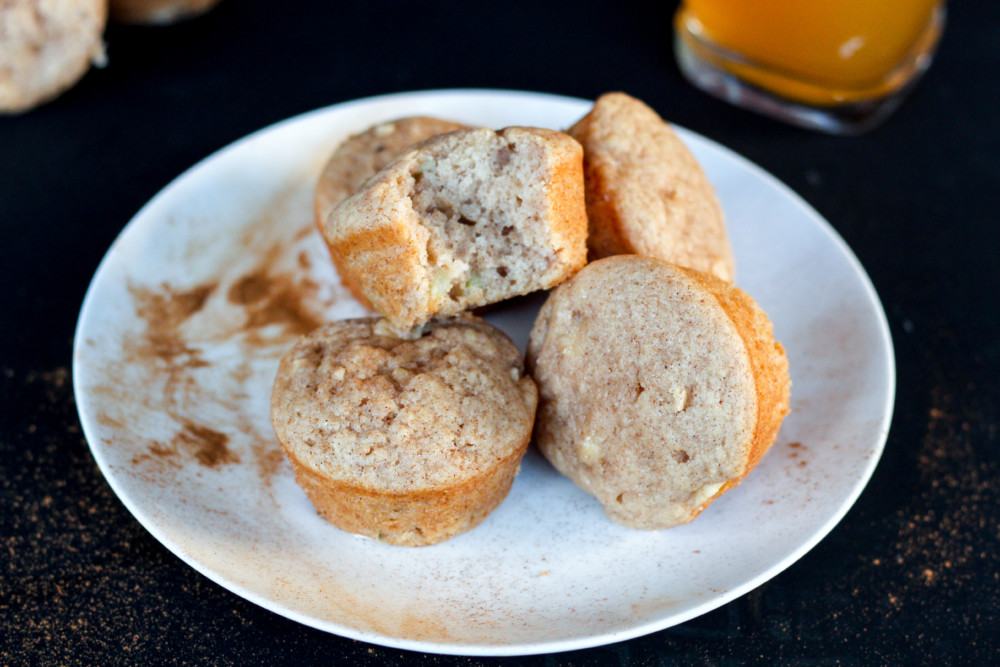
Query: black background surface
{"x":910,"y":575}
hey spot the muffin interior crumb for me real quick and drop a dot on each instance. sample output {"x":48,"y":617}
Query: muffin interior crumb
{"x":481,"y":203}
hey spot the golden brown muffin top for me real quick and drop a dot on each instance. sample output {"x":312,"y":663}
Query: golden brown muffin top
{"x":649,"y":396}
{"x":646,"y":192}
{"x":357,"y":403}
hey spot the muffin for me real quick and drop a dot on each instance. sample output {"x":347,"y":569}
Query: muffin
{"x":646,"y":193}
{"x":46,"y":46}
{"x":409,"y":441}
{"x":463,"y":220}
{"x":660,"y":387}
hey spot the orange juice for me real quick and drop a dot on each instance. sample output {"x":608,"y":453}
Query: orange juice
{"x":818,"y":52}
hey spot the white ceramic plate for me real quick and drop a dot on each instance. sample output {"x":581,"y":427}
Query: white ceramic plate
{"x":184,"y":323}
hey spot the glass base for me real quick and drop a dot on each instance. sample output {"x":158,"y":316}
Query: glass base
{"x":708,"y":67}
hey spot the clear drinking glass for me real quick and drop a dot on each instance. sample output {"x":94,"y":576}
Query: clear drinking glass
{"x":841,"y":66}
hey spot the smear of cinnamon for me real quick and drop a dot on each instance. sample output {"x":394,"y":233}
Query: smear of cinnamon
{"x":275,"y":299}
{"x":164,"y":311}
{"x":209,"y":446}
{"x":183,"y":325}
{"x":251,"y":288}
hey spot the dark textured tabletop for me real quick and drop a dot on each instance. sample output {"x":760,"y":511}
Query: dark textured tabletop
{"x":911,"y":575}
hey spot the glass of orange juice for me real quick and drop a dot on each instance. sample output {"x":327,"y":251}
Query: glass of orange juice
{"x":841,"y":66}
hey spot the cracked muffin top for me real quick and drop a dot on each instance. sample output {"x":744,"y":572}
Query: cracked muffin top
{"x":359,"y":404}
